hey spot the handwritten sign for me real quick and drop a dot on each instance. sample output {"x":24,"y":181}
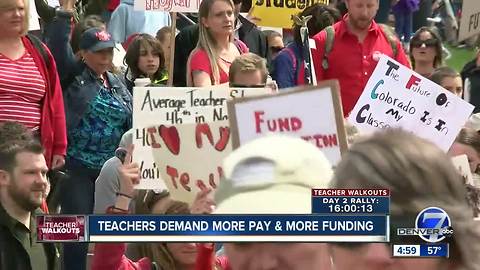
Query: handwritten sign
{"x":396,"y":96}
{"x":470,"y":21}
{"x":190,"y":156}
{"x":311,"y":113}
{"x":278,"y":13}
{"x":167,"y":5}
{"x":169,"y":106}
{"x":463,"y":167}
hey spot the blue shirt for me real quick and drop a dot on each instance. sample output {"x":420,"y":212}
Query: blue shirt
{"x":98,"y":133}
{"x":286,"y":66}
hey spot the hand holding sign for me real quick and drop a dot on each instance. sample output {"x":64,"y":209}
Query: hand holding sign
{"x":129,"y":174}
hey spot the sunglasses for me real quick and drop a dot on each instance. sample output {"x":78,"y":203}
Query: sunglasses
{"x":276,"y":49}
{"x":417,"y":43}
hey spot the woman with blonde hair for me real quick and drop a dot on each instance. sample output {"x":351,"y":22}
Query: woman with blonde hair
{"x":209,"y":63}
{"x":30,"y":91}
{"x":418,"y":175}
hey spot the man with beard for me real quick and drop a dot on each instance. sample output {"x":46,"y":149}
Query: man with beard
{"x":354,"y":49}
{"x":23,"y":186}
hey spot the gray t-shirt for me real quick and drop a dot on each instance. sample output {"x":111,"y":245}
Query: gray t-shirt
{"x":107,"y":185}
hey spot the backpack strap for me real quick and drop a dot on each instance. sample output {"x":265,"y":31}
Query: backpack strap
{"x":294,"y":61}
{"x":330,"y":31}
{"x":242,"y":47}
{"x":390,"y":37}
{"x":39,"y":46}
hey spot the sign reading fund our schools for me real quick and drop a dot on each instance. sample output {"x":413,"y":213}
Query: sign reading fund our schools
{"x":238,"y":228}
{"x":167,"y":5}
{"x":396,"y":96}
{"x":156,"y":106}
{"x":311,"y":113}
{"x":470,"y":20}
{"x":278,"y":13}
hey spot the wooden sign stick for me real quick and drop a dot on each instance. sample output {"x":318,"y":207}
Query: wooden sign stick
{"x":173,"y":27}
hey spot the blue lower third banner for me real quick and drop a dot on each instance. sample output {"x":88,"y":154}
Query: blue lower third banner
{"x":237,"y":228}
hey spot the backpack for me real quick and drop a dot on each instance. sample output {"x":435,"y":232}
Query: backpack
{"x":330,"y":31}
{"x":39,"y":46}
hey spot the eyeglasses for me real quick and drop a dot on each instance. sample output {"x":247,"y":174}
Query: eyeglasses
{"x":417,"y":43}
{"x":276,"y":49}
{"x":237,"y":85}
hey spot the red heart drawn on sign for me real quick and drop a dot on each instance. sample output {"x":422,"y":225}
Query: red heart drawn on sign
{"x":170,"y":138}
{"x":223,"y":141}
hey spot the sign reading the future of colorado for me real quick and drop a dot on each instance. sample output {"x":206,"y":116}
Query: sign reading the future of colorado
{"x":396,"y":96}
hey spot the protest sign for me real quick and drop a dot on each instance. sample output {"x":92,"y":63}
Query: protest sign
{"x":312,"y":113}
{"x":463,"y":168}
{"x":167,"y":5}
{"x":278,"y":13}
{"x":470,"y":20}
{"x":169,"y":106}
{"x":190,"y":156}
{"x":54,"y":3}
{"x":33,"y":20}
{"x":396,"y":96}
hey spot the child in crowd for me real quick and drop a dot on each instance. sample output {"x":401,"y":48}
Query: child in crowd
{"x":449,"y":79}
{"x":164,"y":35}
{"x":145,"y":59}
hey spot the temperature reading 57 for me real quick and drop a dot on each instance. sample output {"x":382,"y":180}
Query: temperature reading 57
{"x":433,"y":250}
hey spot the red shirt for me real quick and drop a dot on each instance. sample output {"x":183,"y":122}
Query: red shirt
{"x":22,"y":90}
{"x":352,"y":62}
{"x":199,"y":62}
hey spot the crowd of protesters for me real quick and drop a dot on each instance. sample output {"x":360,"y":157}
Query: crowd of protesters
{"x":66,"y":109}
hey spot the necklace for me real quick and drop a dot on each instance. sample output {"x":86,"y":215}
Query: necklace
{"x":226,"y":61}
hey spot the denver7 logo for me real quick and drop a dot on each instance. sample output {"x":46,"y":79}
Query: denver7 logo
{"x":435,"y":222}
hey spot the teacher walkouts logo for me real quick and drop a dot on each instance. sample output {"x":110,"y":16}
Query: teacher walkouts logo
{"x":432,"y":225}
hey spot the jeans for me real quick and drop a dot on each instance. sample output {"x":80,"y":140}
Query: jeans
{"x":403,"y":25}
{"x":77,"y":197}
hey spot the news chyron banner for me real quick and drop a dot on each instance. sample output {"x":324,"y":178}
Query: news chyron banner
{"x":338,"y":215}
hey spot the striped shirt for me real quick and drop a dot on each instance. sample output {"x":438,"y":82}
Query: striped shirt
{"x":22,"y":89}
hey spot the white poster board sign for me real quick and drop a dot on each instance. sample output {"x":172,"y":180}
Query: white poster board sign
{"x":154,"y":106}
{"x":396,"y":96}
{"x":470,"y":20}
{"x":54,"y":3}
{"x":33,"y":22}
{"x":313,"y":114}
{"x":190,"y":157}
{"x":167,"y":5}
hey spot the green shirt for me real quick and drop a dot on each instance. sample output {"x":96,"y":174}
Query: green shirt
{"x":27,"y":237}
